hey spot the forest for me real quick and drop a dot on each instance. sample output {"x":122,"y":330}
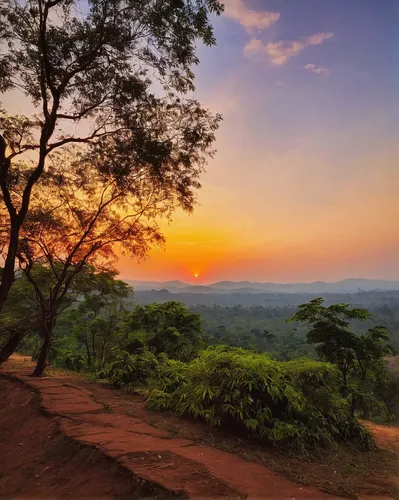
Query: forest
{"x":295,"y":374}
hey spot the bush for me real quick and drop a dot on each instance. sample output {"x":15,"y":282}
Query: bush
{"x":128,"y":369}
{"x":280,"y":401}
{"x":72,"y":360}
{"x":171,"y":373}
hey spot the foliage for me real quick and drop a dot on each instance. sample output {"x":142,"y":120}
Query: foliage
{"x":241,"y":314}
{"x":126,"y":370}
{"x":72,"y":360}
{"x":19,"y":313}
{"x":391,"y":392}
{"x":235,"y":388}
{"x":96,"y":320}
{"x":164,"y":328}
{"x":22,"y":316}
{"x":359,"y":358}
{"x":171,"y":373}
{"x":260,"y":328}
{"x":97,"y":66}
{"x":120,"y":73}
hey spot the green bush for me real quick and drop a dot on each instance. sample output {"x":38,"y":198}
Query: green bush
{"x":168,"y":328}
{"x":280,"y":401}
{"x":128,"y":369}
{"x":171,"y":373}
{"x":72,"y":360}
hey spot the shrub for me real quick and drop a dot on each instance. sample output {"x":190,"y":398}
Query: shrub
{"x":171,"y":373}
{"x":128,"y":369}
{"x":235,"y":388}
{"x":72,"y":360}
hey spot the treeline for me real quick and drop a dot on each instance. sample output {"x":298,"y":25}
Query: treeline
{"x":270,"y":299}
{"x":259,"y":328}
{"x":264,"y":328}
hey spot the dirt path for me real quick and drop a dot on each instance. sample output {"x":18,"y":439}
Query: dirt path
{"x":38,"y":461}
{"x":178,"y":465}
{"x":386,"y":437}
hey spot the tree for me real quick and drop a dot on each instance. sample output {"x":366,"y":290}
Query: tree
{"x":23,"y":315}
{"x":164,"y":328}
{"x":98,"y":316}
{"x":91,"y":204}
{"x":360,"y":358}
{"x":142,"y":162}
{"x":99,"y":75}
{"x":19,"y":316}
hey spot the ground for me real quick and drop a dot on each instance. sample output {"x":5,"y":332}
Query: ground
{"x":71,"y":437}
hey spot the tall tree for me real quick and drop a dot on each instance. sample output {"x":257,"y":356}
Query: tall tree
{"x":110,"y":196}
{"x":360,"y":358}
{"x":95,"y":73}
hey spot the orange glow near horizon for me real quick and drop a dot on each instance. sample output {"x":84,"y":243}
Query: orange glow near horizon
{"x":284,"y":240}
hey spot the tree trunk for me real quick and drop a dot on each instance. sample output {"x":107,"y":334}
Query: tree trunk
{"x":48,"y":328}
{"x":42,"y":361}
{"x":102,"y":353}
{"x":93,"y":347}
{"x":10,"y":346}
{"x":7,"y":278}
{"x":88,"y":352}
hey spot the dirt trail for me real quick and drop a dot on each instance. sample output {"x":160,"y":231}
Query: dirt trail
{"x":177,"y":465}
{"x":386,"y":437}
{"x":38,"y":461}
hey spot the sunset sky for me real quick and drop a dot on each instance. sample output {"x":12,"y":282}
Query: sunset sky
{"x":305,"y":185}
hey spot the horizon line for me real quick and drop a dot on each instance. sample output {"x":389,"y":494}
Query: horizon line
{"x":196,"y":283}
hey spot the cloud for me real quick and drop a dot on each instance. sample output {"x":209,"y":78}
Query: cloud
{"x":250,"y":19}
{"x":279,"y":52}
{"x":319,"y":70}
{"x":253,"y":46}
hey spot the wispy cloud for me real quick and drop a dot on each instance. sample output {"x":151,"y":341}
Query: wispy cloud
{"x":250,"y":19}
{"x":319,"y":70}
{"x":279,"y":52}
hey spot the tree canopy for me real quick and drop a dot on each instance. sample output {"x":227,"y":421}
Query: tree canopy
{"x":107,"y":77}
{"x":115,"y":143}
{"x":360,"y":358}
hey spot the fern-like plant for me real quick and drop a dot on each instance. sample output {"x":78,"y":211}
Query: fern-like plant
{"x":236,"y":388}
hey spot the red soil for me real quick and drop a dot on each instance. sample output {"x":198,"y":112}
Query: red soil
{"x":38,"y":461}
{"x":386,"y":437}
{"x":150,"y":454}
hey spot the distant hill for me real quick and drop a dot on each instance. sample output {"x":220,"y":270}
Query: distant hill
{"x":156,"y":285}
{"x":351,"y":285}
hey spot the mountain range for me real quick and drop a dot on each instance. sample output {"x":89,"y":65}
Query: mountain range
{"x":350,"y":285}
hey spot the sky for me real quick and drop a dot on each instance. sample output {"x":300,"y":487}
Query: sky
{"x":305,"y":184}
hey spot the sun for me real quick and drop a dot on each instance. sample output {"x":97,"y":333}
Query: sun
{"x":196,"y":275}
